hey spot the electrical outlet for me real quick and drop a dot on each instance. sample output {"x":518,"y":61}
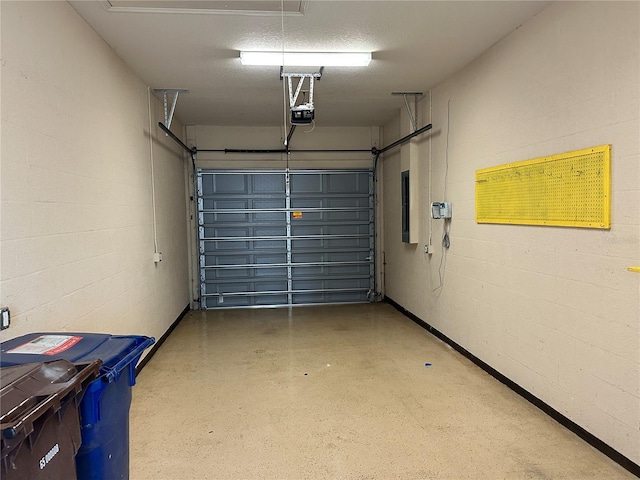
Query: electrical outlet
{"x":157,"y":257}
{"x":5,"y":316}
{"x":428,"y":249}
{"x":441,"y":210}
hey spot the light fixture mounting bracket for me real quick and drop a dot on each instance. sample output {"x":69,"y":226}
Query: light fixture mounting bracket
{"x":415,"y":95}
{"x":168,"y":114}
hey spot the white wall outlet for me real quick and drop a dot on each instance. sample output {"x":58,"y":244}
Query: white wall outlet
{"x":5,"y":318}
{"x":157,"y":257}
{"x":428,"y":249}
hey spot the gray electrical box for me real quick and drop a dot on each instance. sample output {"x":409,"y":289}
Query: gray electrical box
{"x":441,"y":210}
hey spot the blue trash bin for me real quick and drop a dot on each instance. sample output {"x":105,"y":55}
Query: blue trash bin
{"x":104,"y":410}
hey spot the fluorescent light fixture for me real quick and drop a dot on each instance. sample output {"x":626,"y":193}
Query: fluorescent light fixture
{"x":306,"y":59}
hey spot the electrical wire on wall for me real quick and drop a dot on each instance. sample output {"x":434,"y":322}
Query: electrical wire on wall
{"x":446,"y":242}
{"x":313,"y":127}
{"x":430,"y":169}
{"x":153,"y":180}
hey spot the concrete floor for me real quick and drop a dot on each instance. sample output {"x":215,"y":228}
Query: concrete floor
{"x":338,"y":392}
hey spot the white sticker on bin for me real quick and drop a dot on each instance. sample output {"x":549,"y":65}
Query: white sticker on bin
{"x":47,"y":345}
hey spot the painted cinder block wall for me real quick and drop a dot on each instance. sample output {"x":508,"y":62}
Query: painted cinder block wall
{"x":554,"y":309}
{"x":77,"y":237}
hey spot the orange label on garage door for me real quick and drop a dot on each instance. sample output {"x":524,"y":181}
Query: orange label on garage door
{"x":297,"y":214}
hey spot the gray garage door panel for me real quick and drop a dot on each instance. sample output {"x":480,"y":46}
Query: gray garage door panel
{"x":271,"y":238}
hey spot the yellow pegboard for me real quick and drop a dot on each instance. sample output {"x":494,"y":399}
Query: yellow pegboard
{"x":570,"y":189}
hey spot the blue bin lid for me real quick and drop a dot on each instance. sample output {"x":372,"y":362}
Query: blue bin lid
{"x":115,"y":351}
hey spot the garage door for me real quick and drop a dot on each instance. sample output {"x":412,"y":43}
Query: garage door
{"x":278,"y":237}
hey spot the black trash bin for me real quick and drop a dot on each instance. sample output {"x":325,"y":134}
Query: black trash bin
{"x":39,"y":418}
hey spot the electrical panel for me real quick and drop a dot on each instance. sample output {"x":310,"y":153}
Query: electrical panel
{"x":441,"y":210}
{"x":405,"y":206}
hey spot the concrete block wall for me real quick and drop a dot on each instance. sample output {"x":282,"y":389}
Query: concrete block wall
{"x":552,"y":308}
{"x":77,"y":230}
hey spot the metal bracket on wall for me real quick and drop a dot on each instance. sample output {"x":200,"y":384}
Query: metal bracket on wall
{"x":412,"y":118}
{"x":168,"y":114}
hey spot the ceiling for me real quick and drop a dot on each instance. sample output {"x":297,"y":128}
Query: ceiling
{"x":195,"y":45}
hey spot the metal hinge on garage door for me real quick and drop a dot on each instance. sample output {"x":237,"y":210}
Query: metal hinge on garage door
{"x":285,"y":237}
